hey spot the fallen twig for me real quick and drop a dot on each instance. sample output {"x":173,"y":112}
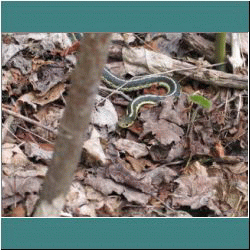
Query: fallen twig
{"x":29,"y":120}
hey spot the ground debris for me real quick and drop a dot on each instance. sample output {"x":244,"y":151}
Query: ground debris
{"x":177,"y":160}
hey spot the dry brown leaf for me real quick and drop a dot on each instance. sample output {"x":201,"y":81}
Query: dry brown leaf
{"x":137,"y":150}
{"x":75,"y":198}
{"x":175,"y":111}
{"x":138,"y":61}
{"x":195,"y":169}
{"x":108,"y":186}
{"x":131,"y":179}
{"x":138,"y":165}
{"x":32,"y":99}
{"x":164,"y":131}
{"x":94,"y":150}
{"x":47,"y":77}
{"x":12,"y":154}
{"x":104,"y":116}
{"x":37,"y":151}
{"x":238,"y":168}
{"x":28,"y":170}
{"x":18,"y":211}
{"x":196,"y":191}
{"x":219,"y":149}
{"x":13,"y":186}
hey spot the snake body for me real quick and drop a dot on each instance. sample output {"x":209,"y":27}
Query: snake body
{"x":137,"y":84}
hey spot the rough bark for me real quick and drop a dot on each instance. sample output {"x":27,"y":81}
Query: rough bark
{"x":74,"y":124}
{"x":201,"y":45}
{"x":243,"y":40}
{"x":210,"y":76}
{"x":236,"y":59}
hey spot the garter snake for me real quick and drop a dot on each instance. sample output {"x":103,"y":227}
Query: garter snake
{"x":137,"y":84}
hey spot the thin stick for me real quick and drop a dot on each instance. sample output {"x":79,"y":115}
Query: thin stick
{"x":113,"y":92}
{"x":6,"y":126}
{"x":223,"y":103}
{"x":7,"y":129}
{"x":191,"y":68}
{"x":118,"y":92}
{"x":239,"y":108}
{"x":29,"y":120}
{"x":226,"y":104}
{"x":40,"y":137}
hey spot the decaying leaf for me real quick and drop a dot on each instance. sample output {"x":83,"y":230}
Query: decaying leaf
{"x":75,"y":198}
{"x":137,"y":150}
{"x":146,"y":59}
{"x":47,"y":77}
{"x":94,"y":149}
{"x":164,"y":131}
{"x":129,"y":178}
{"x":175,"y":111}
{"x":16,"y":186}
{"x":32,"y":99}
{"x":38,"y":152}
{"x":12,"y":154}
{"x":8,"y":51}
{"x":104,"y":115}
{"x":25,"y":171}
{"x":196,"y":190}
{"x":138,"y":165}
{"x":21,"y":63}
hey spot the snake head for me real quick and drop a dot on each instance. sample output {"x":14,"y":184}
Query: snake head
{"x":125,"y":122}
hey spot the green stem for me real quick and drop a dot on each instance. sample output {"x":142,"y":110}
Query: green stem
{"x":220,"y":50}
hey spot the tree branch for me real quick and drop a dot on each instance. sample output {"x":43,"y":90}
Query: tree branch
{"x":74,"y":124}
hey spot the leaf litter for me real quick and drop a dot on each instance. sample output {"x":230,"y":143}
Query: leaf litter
{"x":177,"y":160}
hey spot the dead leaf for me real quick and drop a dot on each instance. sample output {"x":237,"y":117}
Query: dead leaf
{"x":12,"y":154}
{"x":105,"y":115}
{"x":75,"y":198}
{"x":175,"y":111}
{"x":138,"y":165}
{"x":46,"y":78}
{"x":161,"y":175}
{"x":195,"y":169}
{"x":31,"y":200}
{"x":137,"y":150}
{"x":8,"y":51}
{"x":48,"y":116}
{"x":196,"y":191}
{"x":139,"y":60}
{"x":19,"y":62}
{"x":37,"y":151}
{"x":108,"y":186}
{"x":28,"y":170}
{"x":129,"y":178}
{"x":32,"y":99}
{"x":18,"y":211}
{"x":219,"y":150}
{"x":15,"y":186}
{"x":238,"y":168}
{"x":164,"y":131}
{"x":94,"y":151}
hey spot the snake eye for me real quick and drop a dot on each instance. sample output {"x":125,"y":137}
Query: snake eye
{"x":124,"y":123}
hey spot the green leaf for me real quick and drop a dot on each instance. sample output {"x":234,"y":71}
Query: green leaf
{"x":201,"y":100}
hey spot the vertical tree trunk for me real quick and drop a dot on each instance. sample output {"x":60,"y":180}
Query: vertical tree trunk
{"x":74,"y":124}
